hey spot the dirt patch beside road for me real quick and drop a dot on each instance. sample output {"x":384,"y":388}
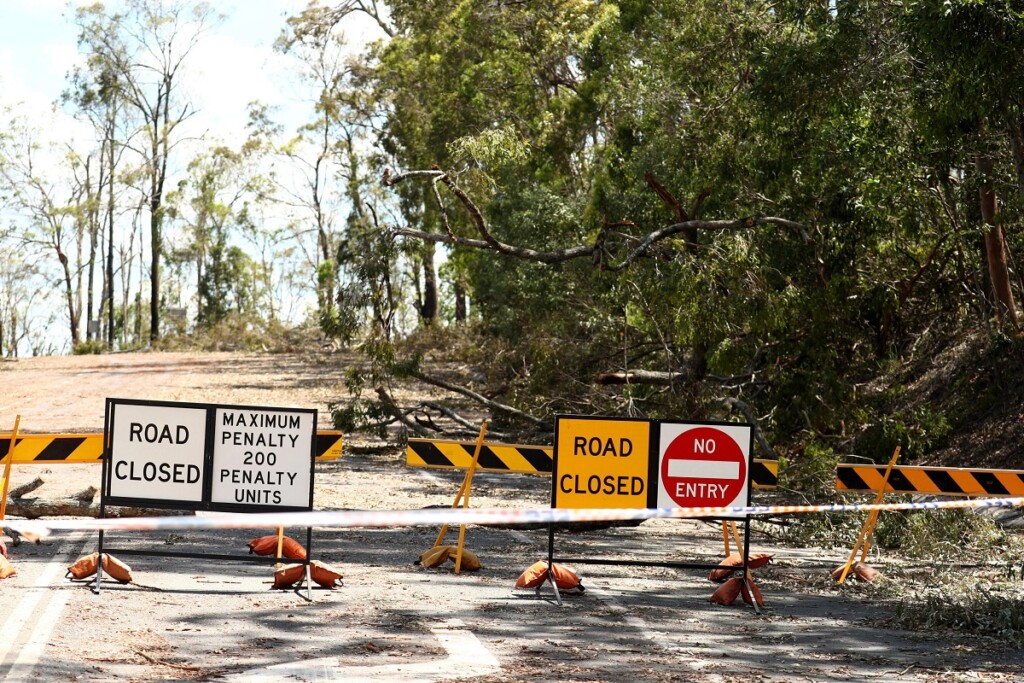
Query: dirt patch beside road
{"x":68,"y":393}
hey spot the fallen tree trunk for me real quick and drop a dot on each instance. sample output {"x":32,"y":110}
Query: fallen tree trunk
{"x":641,"y":377}
{"x":19,"y":491}
{"x":33,"y":508}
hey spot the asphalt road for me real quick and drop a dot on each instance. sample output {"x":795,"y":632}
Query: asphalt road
{"x":205,"y":620}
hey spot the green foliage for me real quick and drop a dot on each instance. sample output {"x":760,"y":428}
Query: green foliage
{"x":975,"y":610}
{"x":92,"y":347}
{"x":810,"y":475}
{"x":937,"y":534}
{"x":573,"y":123}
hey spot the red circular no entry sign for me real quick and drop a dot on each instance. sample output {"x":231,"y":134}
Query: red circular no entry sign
{"x":704,"y":467}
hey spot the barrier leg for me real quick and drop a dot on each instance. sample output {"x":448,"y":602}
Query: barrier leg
{"x":467,"y":482}
{"x":869,"y":525}
{"x":8,"y":460}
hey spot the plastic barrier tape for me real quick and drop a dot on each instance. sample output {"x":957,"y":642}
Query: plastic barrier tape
{"x":54,"y":449}
{"x":500,"y":457}
{"x":931,"y":480}
{"x":455,"y":516}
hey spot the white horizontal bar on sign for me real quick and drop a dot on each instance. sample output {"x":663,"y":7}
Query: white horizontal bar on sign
{"x":704,"y":469}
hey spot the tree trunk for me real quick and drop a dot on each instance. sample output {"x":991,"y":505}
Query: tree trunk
{"x":154,"y":275}
{"x":69,"y":295}
{"x":428,"y":309}
{"x":460,"y":300}
{"x":995,"y":249}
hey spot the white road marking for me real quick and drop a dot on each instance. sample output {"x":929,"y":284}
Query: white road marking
{"x":467,"y":658}
{"x":31,"y":649}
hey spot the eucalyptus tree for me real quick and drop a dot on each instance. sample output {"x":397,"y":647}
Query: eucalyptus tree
{"x":332,"y":153}
{"x":143,"y":51}
{"x":47,"y":198}
{"x":968,"y":58}
{"x":212,"y":204}
{"x":94,"y":93}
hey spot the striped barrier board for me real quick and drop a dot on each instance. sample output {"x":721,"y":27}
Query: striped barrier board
{"x":947,"y":481}
{"x":55,"y":449}
{"x":500,"y":457}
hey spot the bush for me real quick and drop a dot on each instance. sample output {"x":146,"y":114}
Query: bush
{"x":937,"y":534}
{"x":92,"y":347}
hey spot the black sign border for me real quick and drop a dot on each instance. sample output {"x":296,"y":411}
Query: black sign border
{"x":205,"y":504}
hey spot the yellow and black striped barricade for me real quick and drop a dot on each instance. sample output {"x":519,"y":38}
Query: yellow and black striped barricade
{"x":55,"y":449}
{"x":946,"y":481}
{"x":501,"y":457}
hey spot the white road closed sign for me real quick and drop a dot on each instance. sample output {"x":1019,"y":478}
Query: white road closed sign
{"x":157,"y":452}
{"x":262,"y":457}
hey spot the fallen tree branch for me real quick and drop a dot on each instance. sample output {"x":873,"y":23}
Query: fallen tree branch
{"x":744,"y":409}
{"x":688,"y":226}
{"x":33,"y":508}
{"x":469,"y":393}
{"x":392,"y":408}
{"x":19,"y":491}
{"x":658,"y":377}
{"x":452,"y":415}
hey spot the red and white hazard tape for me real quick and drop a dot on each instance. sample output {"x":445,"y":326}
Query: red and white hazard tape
{"x":434,"y":517}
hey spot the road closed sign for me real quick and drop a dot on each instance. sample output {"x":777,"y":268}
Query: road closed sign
{"x":601,"y":463}
{"x":704,"y":465}
{"x":262,"y":457}
{"x":157,"y":452}
{"x":208,"y":457}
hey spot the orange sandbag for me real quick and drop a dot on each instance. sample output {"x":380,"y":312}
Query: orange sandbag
{"x":862,"y":571}
{"x":267,"y":545}
{"x":324,"y":574}
{"x":264,"y":545}
{"x":83,"y":567}
{"x":7,"y":569}
{"x":733,"y":560}
{"x":727,"y":593}
{"x":565,"y":577}
{"x":537,"y":573}
{"x":755,"y":561}
{"x":534,"y":575}
{"x":86,"y":566}
{"x":865,"y":572}
{"x":288,"y":575}
{"x":117,"y":569}
{"x":753,"y":589}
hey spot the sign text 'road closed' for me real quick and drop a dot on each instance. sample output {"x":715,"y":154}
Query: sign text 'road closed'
{"x":601,"y":463}
{"x":158,"y":452}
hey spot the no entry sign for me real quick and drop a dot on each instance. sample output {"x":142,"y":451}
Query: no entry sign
{"x":704,"y":465}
